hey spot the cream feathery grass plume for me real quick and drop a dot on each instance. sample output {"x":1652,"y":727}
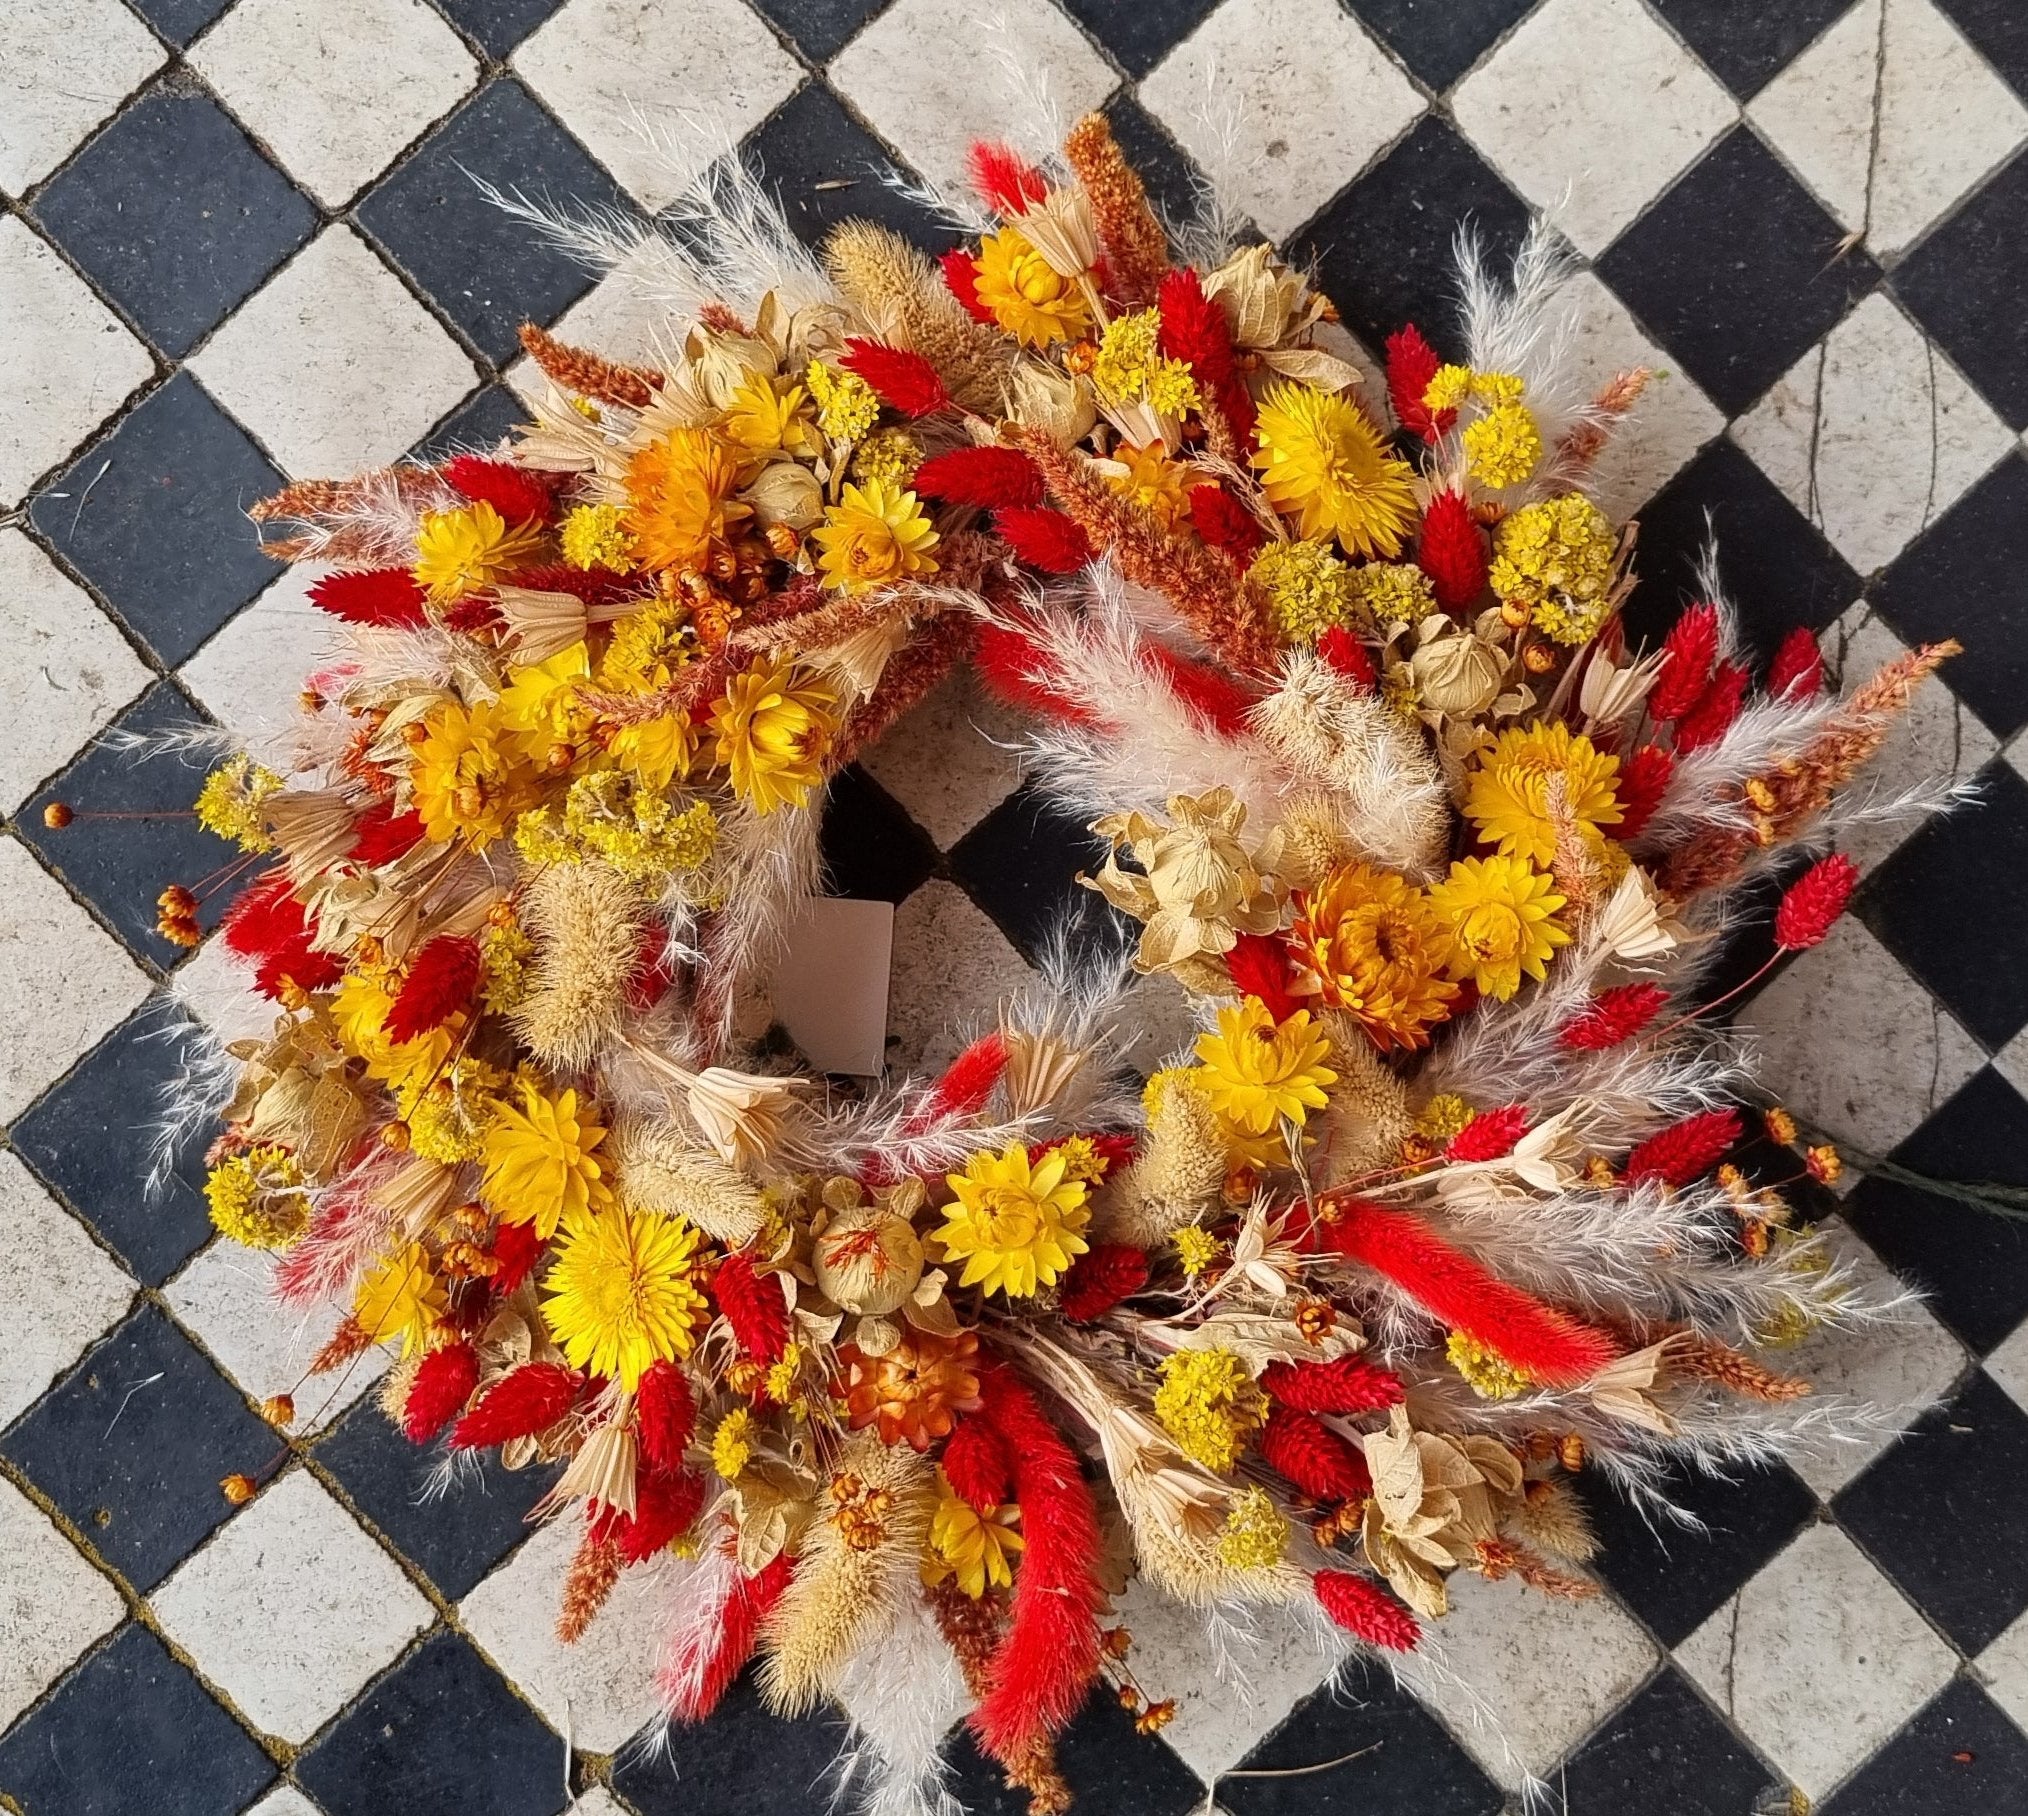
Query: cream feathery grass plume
{"x":587,"y":920}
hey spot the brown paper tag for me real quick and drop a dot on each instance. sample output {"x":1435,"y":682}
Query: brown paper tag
{"x":830,"y":990}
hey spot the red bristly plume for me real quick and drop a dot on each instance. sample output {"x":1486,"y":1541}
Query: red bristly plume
{"x":382,"y":835}
{"x":1797,"y":671}
{"x":1718,"y":706}
{"x":961,"y":279}
{"x":1411,"y":363}
{"x":694,"y":1685}
{"x":1814,"y":901}
{"x":966,"y":1082}
{"x":1541,"y":1341}
{"x":987,"y":477}
{"x":976,"y":1464}
{"x":516,"y":1247}
{"x":443,"y":1383}
{"x":1489,"y":1134}
{"x":901,"y":378}
{"x":1044,"y":538}
{"x":752,"y":1304}
{"x":1365,"y":1610}
{"x":1194,"y":330}
{"x":1345,"y":655}
{"x":1643,"y":780}
{"x":594,"y":585}
{"x":268,"y":928}
{"x":1683,"y":1151}
{"x":655,"y":968}
{"x":1613,"y":1016}
{"x":665,"y":1506}
{"x":522,"y":1402}
{"x":1225,"y":523}
{"x":667,"y":1414}
{"x":1021,"y":674}
{"x":1303,"y":1450}
{"x":1347,"y":1384}
{"x":1050,"y":1655}
{"x":1100,"y":1279}
{"x":388,"y":597}
{"x":514,"y":492}
{"x":1452,"y":551}
{"x":439,"y":983}
{"x":1209,"y":692}
{"x":1692,"y":647}
{"x":1002,"y":178}
{"x":1258,"y":965}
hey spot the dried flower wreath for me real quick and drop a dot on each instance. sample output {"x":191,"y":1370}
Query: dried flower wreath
{"x":896,"y":1389}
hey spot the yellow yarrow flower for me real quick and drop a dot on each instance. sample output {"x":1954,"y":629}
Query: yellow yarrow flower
{"x":847,"y":406}
{"x":595,"y":536}
{"x":887,"y":456}
{"x":229,"y":803}
{"x":1555,"y":560}
{"x":1258,"y":1073}
{"x":969,"y":1546}
{"x":1308,"y":589}
{"x":874,"y":535}
{"x":1196,"y":1249}
{"x":1488,"y":1373}
{"x":469,"y":548}
{"x":1393,"y":591}
{"x":1255,"y":1536}
{"x":1324,"y":464}
{"x":1025,"y":294}
{"x":1502,"y":915}
{"x":1443,"y":1116}
{"x":401,"y":1297}
{"x":1502,"y":446}
{"x":1506,"y":791}
{"x":1209,"y":1404}
{"x":775,"y":725}
{"x":541,"y":1161}
{"x":1130,"y":367}
{"x":1016,"y":1227}
{"x":622,"y":1292}
{"x":466,"y":775}
{"x":257,"y":1197}
{"x":1447,"y":389}
{"x":732,"y":1443}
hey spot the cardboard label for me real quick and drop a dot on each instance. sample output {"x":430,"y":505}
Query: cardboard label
{"x":830,"y":991}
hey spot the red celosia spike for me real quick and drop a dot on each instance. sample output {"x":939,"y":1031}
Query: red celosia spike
{"x":1303,"y":1450}
{"x":901,"y":378}
{"x":1692,"y":647}
{"x":1643,"y":780}
{"x":710,"y":1657}
{"x":1797,"y":671}
{"x":665,"y":1507}
{"x":595,"y":586}
{"x":977,"y":1465}
{"x":1365,"y":1610}
{"x":961,"y":278}
{"x":967,"y":1081}
{"x":667,"y":1414}
{"x":1225,"y":523}
{"x":1489,"y":1134}
{"x":988,"y":477}
{"x":1194,"y":330}
{"x":1100,"y":1279}
{"x":1258,"y":965}
{"x":388,"y":597}
{"x":1613,"y":1016}
{"x":384,"y":835}
{"x":1043,"y":538}
{"x":1711,"y":718}
{"x":1003,"y":179}
{"x":1347,"y":656}
{"x":1452,"y":551}
{"x":267,"y":926}
{"x":439,"y":983}
{"x":1814,"y":901}
{"x":473,"y":615}
{"x":1046,"y":1663}
{"x":1411,"y":363}
{"x":753,"y":1306}
{"x":443,"y":1383}
{"x":1683,"y":1151}
{"x":517,"y":1248}
{"x":521,"y":1403}
{"x":1012,"y":666}
{"x":1541,"y":1341}
{"x":654,"y":970}
{"x":514,"y":492}
{"x":1347,"y":1384}
{"x":1210,"y":693}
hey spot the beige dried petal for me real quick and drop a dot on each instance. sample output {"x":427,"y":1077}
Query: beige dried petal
{"x":1313,"y":366}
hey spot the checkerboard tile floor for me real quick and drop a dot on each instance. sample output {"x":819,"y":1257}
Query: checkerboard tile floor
{"x":244,"y":241}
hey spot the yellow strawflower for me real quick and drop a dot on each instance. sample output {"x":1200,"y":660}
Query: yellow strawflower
{"x":775,"y":725}
{"x":622,"y":1292}
{"x":772,"y":416}
{"x":1502,"y":915}
{"x":1025,"y":295}
{"x":679,"y":499}
{"x":1370,"y":943}
{"x":1324,"y":464}
{"x":359,"y":1010}
{"x":1209,"y":1404}
{"x":539,"y":703}
{"x":646,"y":651}
{"x":470,"y":548}
{"x":466,"y":775}
{"x":732,"y":1443}
{"x":401,"y":1297}
{"x":874,"y":534}
{"x":970,"y":1546}
{"x":1016,"y":1227}
{"x":1159,"y":485}
{"x":1507,"y":789}
{"x":541,"y":1161}
{"x":1257,"y":1073}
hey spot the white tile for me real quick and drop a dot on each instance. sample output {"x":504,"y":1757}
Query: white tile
{"x":1591,"y":110}
{"x":334,"y":365}
{"x":66,"y":363}
{"x":64,"y":983}
{"x":2003,"y":1669}
{"x":1312,"y":100}
{"x":1818,"y":1659}
{"x":291,"y":1608}
{"x":335,"y":87}
{"x":1910,"y":113}
{"x":1507,"y":1643}
{"x":615,"y":69}
{"x":252,"y":674}
{"x":52,"y":1603}
{"x":1873,"y":434}
{"x":600,"y":1691}
{"x":951,"y":761}
{"x":284,"y":1800}
{"x":952,"y":967}
{"x":68,"y":63}
{"x":217,"y":988}
{"x":60,"y":1292}
{"x":930,"y":78}
{"x":2008,"y":1365}
{"x":68,"y":670}
{"x":224,"y":1297}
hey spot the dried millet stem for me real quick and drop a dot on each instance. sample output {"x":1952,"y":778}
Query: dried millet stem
{"x":587,"y":1583}
{"x":1137,"y":250}
{"x":604,"y":381}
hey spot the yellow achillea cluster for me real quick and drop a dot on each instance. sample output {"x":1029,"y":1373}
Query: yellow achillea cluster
{"x":1502,"y":444}
{"x":229,"y":803}
{"x":1502,"y":915}
{"x":1323,"y":463}
{"x":1308,"y":589}
{"x":447,"y":1123}
{"x":1209,"y":1404}
{"x":504,"y":952}
{"x":774,"y":726}
{"x":257,"y":1197}
{"x":1257,"y":1073}
{"x":1025,"y":294}
{"x":1555,"y":561}
{"x":541,"y":1161}
{"x":1370,"y":942}
{"x":873,"y":535}
{"x":467,"y":549}
{"x":1507,"y":789}
{"x":467,"y":773}
{"x":1255,"y":1536}
{"x":1081,"y":1159}
{"x":1489,"y":1374}
{"x":622,"y":1292}
{"x":1130,"y":366}
{"x":1196,"y":1249}
{"x":641,"y":832}
{"x":846,"y":404}
{"x":887,"y":457}
{"x":1016,"y":1225}
{"x":1390,"y":592}
{"x":1445,"y":1115}
{"x":595,"y":536}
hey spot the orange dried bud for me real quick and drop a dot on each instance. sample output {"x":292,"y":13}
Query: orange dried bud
{"x":1598,"y":1171}
{"x":1156,"y":1716}
{"x":1761,"y":795}
{"x":177,"y":900}
{"x":783,"y":542}
{"x":745,"y":1377}
{"x":56,"y":816}
{"x":1116,"y":1642}
{"x":413,"y":733}
{"x":310,"y":700}
{"x":239,"y":1489}
{"x":1316,"y":1319}
{"x":560,"y":756}
{"x":395,"y":1138}
{"x":1735,"y":1184}
{"x":1537,"y":658}
{"x":1130,"y":1698}
{"x":1570,"y":1452}
{"x":1754,"y":1239}
{"x":1418,"y":1150}
{"x":279,"y":1409}
{"x":1514,"y":615}
{"x":1780,"y":1126}
{"x":1081,"y":357}
{"x":179,"y":931}
{"x":1824,"y":1163}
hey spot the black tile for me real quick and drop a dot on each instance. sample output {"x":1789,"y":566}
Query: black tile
{"x":873,"y":851}
{"x":122,"y":865}
{"x":1021,"y":863}
{"x":175,"y":215}
{"x":1940,"y":1512}
{"x":1964,"y":282}
{"x":742,"y":1762}
{"x":93,"y":1138}
{"x":1165,"y":169}
{"x":179,"y":20}
{"x":1960,"y":1755}
{"x":1776,"y":565}
{"x":1748,"y":46}
{"x":1971,"y":1263}
{"x":154,"y":516}
{"x":132,"y":1444}
{"x":1439,"y":39}
{"x":821,"y":28}
{"x":1405,"y":1760}
{"x":1966,"y":577}
{"x":499,"y":25}
{"x":1736,"y":271}
{"x":487,"y":271}
{"x":827,"y":168}
{"x":456,"y":1538}
{"x":2000,"y":29}
{"x":1673,"y":1577}
{"x":475,"y":426}
{"x":1665,"y":1750}
{"x":1107,"y":1765}
{"x":1140,"y":35}
{"x":1386,"y":250}
{"x":131,"y":1730}
{"x":1915,"y":903}
{"x":441,"y":1732}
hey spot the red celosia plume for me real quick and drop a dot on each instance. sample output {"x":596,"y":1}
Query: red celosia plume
{"x":1194,"y":330}
{"x":665,"y":1505}
{"x":961,"y":279}
{"x":987,"y":477}
{"x":1225,"y":523}
{"x":1489,"y":1134}
{"x":382,"y":835}
{"x":1365,"y":1610}
{"x":388,"y":597}
{"x":966,"y":1082}
{"x":521,"y":1403}
{"x":1209,"y":692}
{"x":901,"y":378}
{"x":1691,"y":647}
{"x":439,"y":983}
{"x":267,"y":927}
{"x":1685,"y":1150}
{"x":1002,"y":178}
{"x":1347,"y":1384}
{"x":516,"y":1247}
{"x":443,"y":1383}
{"x":1345,"y":655}
{"x":753,"y":1306}
{"x":667,"y":1414}
{"x":595,"y":586}
{"x":1258,"y":965}
{"x":1613,"y":1016}
{"x":1643,"y":780}
{"x":1022,"y":674}
{"x":1717,"y":707}
{"x":515,"y":492}
{"x":1100,"y":1278}
{"x":1452,"y":551}
{"x":1797,"y":671}
{"x":976,"y":1464}
{"x":1044,"y":538}
{"x":1303,"y":1450}
{"x":1411,"y":363}
{"x":1814,"y":901}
